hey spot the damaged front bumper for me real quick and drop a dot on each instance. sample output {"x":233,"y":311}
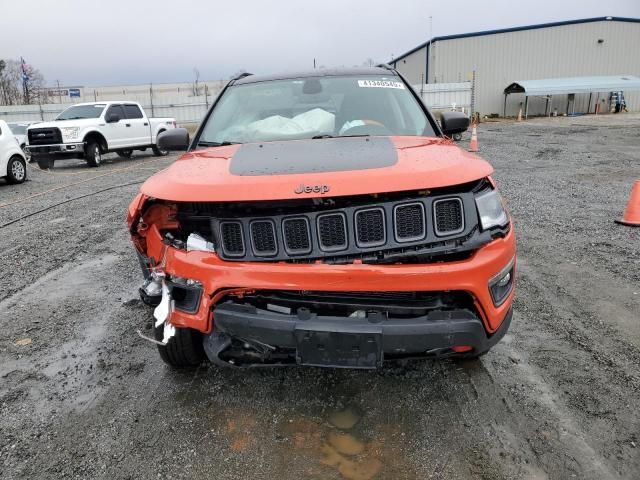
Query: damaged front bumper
{"x":245,"y":335}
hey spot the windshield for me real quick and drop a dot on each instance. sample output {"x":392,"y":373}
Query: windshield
{"x":315,"y":107}
{"x":81,"y":111}
{"x":18,"y":128}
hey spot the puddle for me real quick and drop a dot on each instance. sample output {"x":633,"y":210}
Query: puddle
{"x":344,"y":419}
{"x":346,"y":443}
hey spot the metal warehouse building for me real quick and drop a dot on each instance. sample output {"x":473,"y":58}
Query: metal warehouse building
{"x":576,"y":48}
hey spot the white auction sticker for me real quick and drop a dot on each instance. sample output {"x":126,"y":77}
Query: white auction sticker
{"x":380,"y":84}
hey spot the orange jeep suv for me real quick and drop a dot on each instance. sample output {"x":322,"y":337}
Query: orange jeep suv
{"x":326,"y":219}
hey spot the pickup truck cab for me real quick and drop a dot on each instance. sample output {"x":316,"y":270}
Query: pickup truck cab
{"x":89,"y":130}
{"x":13,"y":164}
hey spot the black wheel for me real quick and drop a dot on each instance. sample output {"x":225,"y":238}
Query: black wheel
{"x":184,"y":349}
{"x":93,"y":154}
{"x":157,"y":151}
{"x":45,"y":163}
{"x":125,"y":153}
{"x":16,"y":170}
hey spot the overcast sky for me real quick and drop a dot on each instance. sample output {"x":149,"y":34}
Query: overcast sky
{"x":116,"y":42}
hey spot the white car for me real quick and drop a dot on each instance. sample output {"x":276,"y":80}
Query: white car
{"x":13,"y":164}
{"x":89,"y":130}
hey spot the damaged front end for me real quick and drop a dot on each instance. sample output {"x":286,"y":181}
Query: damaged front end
{"x":341,"y":282}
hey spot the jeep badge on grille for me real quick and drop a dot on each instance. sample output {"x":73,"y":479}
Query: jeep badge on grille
{"x":302,"y":188}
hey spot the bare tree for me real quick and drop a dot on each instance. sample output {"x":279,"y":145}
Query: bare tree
{"x":14,"y":76}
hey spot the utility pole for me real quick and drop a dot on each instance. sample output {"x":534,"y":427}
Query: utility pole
{"x":430,"y":41}
{"x":59,"y":92}
{"x":314,"y":63}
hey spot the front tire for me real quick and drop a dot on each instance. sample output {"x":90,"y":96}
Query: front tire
{"x":184,"y":349}
{"x":45,"y":163}
{"x":93,"y":154}
{"x":157,"y":151}
{"x":16,"y":170}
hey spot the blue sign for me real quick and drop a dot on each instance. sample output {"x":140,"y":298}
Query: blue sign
{"x":74,"y":92}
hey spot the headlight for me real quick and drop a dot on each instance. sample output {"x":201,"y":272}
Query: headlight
{"x":70,"y":133}
{"x":491,"y":210}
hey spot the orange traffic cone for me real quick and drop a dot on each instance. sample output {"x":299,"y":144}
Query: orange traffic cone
{"x":631,"y":215}
{"x":473,"y":145}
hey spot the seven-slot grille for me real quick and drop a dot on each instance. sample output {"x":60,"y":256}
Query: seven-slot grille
{"x":448,"y":216}
{"x":44,"y":136}
{"x":419,"y":223}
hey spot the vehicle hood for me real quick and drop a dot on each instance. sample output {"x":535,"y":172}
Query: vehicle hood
{"x":20,"y":138}
{"x":81,"y":122}
{"x":328,"y":167}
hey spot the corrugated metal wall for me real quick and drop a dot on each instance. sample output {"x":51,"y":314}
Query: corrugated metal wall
{"x":561,"y":51}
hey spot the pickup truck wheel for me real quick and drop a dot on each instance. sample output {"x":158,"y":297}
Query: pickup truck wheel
{"x":125,"y":153}
{"x":16,"y":170}
{"x":93,"y":155}
{"x":45,"y":163}
{"x":158,"y":152}
{"x":183,"y":350}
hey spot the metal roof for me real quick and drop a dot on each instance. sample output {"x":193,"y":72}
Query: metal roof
{"x":553,"y":86}
{"x":514,"y":29}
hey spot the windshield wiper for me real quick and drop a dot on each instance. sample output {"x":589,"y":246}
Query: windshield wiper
{"x":202,"y":143}
{"x":317,"y":137}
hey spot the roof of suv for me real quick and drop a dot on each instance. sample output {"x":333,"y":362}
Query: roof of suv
{"x":324,"y":72}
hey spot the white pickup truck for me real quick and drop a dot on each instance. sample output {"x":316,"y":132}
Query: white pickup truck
{"x":89,"y":130}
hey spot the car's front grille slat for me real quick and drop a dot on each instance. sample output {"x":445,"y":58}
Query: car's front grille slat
{"x":332,"y":232}
{"x":409,"y":222}
{"x":232,"y":238}
{"x":370,"y":228}
{"x":297,"y":235}
{"x":263,"y":238}
{"x":448,"y":215}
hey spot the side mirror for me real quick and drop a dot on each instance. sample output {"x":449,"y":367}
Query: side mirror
{"x":453,"y":123}
{"x":112,"y":118}
{"x":175,"y":139}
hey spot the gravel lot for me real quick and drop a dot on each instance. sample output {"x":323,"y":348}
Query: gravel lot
{"x":81,"y":396}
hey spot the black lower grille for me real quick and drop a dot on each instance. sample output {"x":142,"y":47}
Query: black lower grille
{"x":263,"y":238}
{"x":448,"y":216}
{"x":409,"y":221}
{"x":44,"y":136}
{"x":391,"y":304}
{"x":332,"y":231}
{"x":232,"y":239}
{"x":296,"y":235}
